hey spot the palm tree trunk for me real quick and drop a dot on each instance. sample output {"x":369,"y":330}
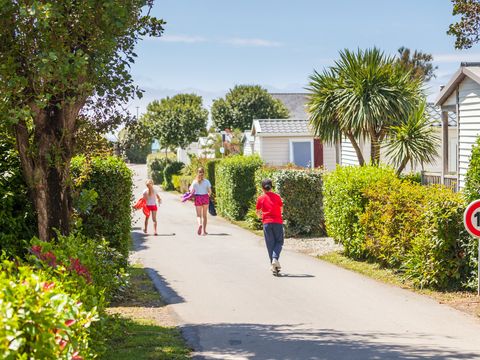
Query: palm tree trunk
{"x":358,"y":151}
{"x":402,"y":165}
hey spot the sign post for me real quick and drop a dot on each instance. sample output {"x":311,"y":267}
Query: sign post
{"x":471,"y":220}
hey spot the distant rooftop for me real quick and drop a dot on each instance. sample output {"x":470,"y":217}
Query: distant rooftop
{"x":282,"y":126}
{"x":296,"y":104}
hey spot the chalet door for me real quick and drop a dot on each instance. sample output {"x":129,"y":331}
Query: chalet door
{"x":301,"y":153}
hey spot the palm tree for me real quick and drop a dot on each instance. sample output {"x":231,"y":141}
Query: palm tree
{"x":413,"y":141}
{"x":361,"y":96}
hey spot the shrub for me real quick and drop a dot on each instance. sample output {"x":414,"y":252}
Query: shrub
{"x":210,"y":168}
{"x":172,"y":168}
{"x":97,"y":264}
{"x":176,"y":182}
{"x":39,"y":317}
{"x":439,"y":256}
{"x":155,"y":168}
{"x":344,"y":202}
{"x":393,"y":214}
{"x":110,"y":217}
{"x":301,"y":192}
{"x":472,"y":192}
{"x":235,"y":185}
{"x":17,"y":220}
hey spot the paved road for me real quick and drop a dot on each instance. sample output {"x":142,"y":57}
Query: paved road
{"x":231,"y":307}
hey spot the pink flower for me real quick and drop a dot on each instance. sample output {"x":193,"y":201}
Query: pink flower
{"x":76,"y":356}
{"x":70,"y":322}
{"x":48,"y":286}
{"x":50,"y":258}
{"x":37,"y":250}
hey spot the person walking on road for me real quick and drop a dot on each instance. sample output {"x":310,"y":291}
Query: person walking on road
{"x":151,"y":197}
{"x":202,"y":190}
{"x":269,"y":208}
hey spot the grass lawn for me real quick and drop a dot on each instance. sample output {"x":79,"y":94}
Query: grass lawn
{"x":140,"y":326}
{"x":465,"y":301}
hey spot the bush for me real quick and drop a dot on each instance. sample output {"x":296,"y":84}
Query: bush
{"x":391,"y":217}
{"x":344,"y":202}
{"x":472,"y":192}
{"x":210,"y":168}
{"x":301,"y":192}
{"x":17,"y":218}
{"x":172,"y":168}
{"x":235,"y":185}
{"x":39,"y":317}
{"x":156,"y":166}
{"x":439,"y":256}
{"x":110,"y":217}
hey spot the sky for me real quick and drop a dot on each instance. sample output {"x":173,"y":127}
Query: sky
{"x":209,"y":46}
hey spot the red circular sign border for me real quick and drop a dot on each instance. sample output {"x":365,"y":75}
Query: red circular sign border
{"x":467,"y":218}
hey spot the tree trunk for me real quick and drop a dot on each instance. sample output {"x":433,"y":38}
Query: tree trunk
{"x":402,"y":165}
{"x":45,"y":156}
{"x":358,"y":151}
{"x":376,"y":139}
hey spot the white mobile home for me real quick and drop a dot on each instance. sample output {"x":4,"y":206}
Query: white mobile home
{"x":461,"y":96}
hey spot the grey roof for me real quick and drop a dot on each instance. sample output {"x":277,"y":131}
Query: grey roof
{"x":282,"y":126}
{"x":435,"y":115}
{"x":471,"y":70}
{"x":296,"y":104}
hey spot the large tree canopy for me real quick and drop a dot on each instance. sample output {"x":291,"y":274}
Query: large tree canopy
{"x":176,"y":121}
{"x":418,"y":63}
{"x":467,"y":29}
{"x":244,"y":103}
{"x":59,"y":59}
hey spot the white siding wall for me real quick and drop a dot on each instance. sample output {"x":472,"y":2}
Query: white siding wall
{"x":349,"y":156}
{"x":329,"y":159}
{"x":469,"y":124}
{"x":247,"y":148}
{"x":275,"y":150}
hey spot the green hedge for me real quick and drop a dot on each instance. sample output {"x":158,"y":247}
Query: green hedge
{"x":344,"y":202}
{"x":172,"y":168}
{"x":17,"y":216}
{"x":210,"y":168}
{"x":235,"y":185}
{"x":472,"y":192}
{"x":301,"y":192}
{"x":156,"y":166}
{"x":110,"y":216}
{"x":400,"y":224}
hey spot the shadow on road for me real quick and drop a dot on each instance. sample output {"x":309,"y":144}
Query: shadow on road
{"x":219,"y":234}
{"x":298,"y":342}
{"x":296,"y":275}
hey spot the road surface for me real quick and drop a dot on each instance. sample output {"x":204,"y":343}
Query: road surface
{"x":231,"y":307}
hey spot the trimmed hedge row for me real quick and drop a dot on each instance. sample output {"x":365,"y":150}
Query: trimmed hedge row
{"x":344,"y":203}
{"x":235,"y":185}
{"x":415,"y":229}
{"x":301,"y":192}
{"x":110,"y":215}
{"x":172,"y":168}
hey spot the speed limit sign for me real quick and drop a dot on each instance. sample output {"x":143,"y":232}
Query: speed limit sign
{"x":471,"y":220}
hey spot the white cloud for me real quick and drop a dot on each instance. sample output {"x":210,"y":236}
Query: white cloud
{"x":456,"y":57}
{"x":188,"y":39}
{"x":252,"y":42}
{"x":193,"y":39}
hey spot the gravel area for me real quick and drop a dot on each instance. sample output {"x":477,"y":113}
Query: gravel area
{"x":312,"y":246}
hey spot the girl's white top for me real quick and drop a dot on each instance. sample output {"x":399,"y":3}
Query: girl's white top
{"x":152,"y":199}
{"x":201,"y":188}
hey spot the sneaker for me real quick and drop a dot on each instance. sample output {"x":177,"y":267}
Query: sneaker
{"x":276,"y":264}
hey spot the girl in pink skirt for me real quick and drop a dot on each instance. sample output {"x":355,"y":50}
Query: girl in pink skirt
{"x":202,"y":190}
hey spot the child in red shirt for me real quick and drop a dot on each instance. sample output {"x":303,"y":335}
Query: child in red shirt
{"x":269,"y":207}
